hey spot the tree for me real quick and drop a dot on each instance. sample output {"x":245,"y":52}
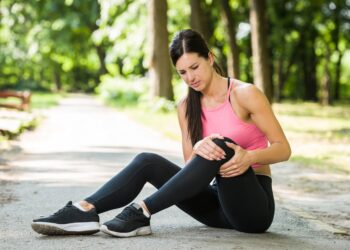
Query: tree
{"x":198,"y":18}
{"x":159,"y":68}
{"x":261,"y":60}
{"x":233,"y":55}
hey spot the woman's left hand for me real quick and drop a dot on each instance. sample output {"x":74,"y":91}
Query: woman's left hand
{"x":238,"y":164}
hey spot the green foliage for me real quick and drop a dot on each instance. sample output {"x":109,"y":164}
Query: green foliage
{"x":69,"y":45}
{"x":47,"y":45}
{"x":157,"y":104}
{"x":121,"y":91}
{"x":44,"y":100}
{"x":123,"y":25}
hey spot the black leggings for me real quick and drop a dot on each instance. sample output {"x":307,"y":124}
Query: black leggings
{"x":244,"y":203}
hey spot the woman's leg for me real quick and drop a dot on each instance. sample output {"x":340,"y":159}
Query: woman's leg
{"x":126,"y":185}
{"x":247,"y":201}
{"x":152,"y":168}
{"x":188,"y":182}
{"x":122,"y":189}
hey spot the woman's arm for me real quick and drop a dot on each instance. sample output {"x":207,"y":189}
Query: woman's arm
{"x":187,"y":149}
{"x":258,"y":109}
{"x":205,"y":147}
{"x":255,"y":102}
{"x":262,"y":115}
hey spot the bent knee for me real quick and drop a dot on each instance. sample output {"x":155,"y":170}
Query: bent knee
{"x":147,"y":157}
{"x":221,"y":143}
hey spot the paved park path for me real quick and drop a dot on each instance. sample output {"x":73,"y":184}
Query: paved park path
{"x":79,"y":146}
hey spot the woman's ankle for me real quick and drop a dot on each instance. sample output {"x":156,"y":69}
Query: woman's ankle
{"x":145,"y":209}
{"x":86,"y":205}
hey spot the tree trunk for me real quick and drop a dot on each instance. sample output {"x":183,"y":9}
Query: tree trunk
{"x":233,"y":56}
{"x":101,"y":53}
{"x":326,"y":97}
{"x":160,"y":73}
{"x":198,"y":20}
{"x":337,"y":76}
{"x":261,"y":61}
{"x":57,"y":78}
{"x":335,"y":37}
{"x":309,"y":66}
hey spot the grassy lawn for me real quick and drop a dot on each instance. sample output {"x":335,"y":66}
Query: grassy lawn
{"x":43,"y":100}
{"x":319,"y":136}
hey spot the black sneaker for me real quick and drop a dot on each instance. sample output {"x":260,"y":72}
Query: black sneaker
{"x":68,"y":220}
{"x":130,"y":222}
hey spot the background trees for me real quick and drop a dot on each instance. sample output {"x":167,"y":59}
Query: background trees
{"x":76,"y":45}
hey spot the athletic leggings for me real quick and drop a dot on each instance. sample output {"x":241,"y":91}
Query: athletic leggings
{"x":244,"y":203}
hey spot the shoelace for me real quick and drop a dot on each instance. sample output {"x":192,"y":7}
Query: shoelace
{"x":127,"y":213}
{"x":69,"y":205}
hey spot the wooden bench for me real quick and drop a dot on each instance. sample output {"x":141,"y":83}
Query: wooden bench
{"x":23,"y":96}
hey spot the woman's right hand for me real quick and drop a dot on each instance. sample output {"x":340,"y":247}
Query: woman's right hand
{"x":208,"y":149}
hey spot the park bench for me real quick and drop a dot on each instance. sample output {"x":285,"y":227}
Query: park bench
{"x":13,"y":118}
{"x":23,"y":96}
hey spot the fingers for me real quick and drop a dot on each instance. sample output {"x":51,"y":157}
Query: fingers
{"x":232,"y":174}
{"x":228,"y":164}
{"x":213,"y":136}
{"x":217,"y":150}
{"x":208,"y":154}
{"x":228,"y":169}
{"x":208,"y":149}
{"x":232,"y":145}
{"x":211,"y":150}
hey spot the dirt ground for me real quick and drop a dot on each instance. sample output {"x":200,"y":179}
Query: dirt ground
{"x":316,"y":195}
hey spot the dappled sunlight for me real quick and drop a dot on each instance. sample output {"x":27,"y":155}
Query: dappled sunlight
{"x":319,"y":136}
{"x":314,"y":193}
{"x":77,"y":168}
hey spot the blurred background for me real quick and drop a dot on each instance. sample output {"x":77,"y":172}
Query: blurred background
{"x":296,"y":51}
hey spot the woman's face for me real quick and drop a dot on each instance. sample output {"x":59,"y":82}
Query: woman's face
{"x":195,"y":70}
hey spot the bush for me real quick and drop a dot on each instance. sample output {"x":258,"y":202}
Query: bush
{"x":157,"y":104}
{"x":121,"y":90}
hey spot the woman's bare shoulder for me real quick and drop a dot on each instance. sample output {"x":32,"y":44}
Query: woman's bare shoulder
{"x":243,"y":90}
{"x":246,"y":93}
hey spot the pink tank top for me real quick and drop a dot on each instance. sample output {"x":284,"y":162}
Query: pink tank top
{"x":223,"y":120}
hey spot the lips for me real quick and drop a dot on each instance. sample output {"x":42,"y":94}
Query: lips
{"x":195,"y":85}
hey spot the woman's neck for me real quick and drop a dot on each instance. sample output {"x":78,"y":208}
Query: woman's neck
{"x":216,"y":88}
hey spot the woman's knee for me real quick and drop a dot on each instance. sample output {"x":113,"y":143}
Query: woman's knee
{"x":221,"y":143}
{"x":146,"y":157}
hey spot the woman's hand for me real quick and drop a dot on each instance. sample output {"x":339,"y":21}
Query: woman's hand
{"x":208,"y":149}
{"x":238,"y":164}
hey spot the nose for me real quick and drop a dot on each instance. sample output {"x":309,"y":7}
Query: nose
{"x":190,"y":77}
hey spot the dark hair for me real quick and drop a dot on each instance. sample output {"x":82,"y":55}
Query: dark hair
{"x":190,"y":41}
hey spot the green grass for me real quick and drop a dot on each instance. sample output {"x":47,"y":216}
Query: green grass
{"x":165,"y":122}
{"x":43,"y":100}
{"x":319,"y":136}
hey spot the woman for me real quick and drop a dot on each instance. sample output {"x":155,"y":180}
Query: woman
{"x":226,"y":126}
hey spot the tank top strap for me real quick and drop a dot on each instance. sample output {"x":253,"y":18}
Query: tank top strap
{"x":230,"y":85}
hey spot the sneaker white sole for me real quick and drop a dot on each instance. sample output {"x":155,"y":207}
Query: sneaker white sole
{"x":48,"y":228}
{"x":137,"y":232}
